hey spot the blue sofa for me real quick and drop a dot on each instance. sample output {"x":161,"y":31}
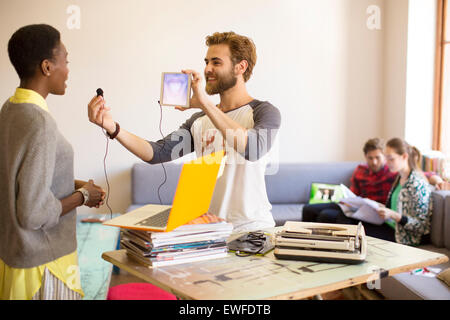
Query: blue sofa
{"x":288,"y":191}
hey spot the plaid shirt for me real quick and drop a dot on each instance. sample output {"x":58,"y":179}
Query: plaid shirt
{"x":373,"y":185}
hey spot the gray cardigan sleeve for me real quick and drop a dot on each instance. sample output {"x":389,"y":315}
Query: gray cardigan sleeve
{"x":36,"y":205}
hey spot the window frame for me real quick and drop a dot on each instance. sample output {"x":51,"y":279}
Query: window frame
{"x":441,"y":43}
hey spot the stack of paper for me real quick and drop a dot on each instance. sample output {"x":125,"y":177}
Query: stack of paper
{"x":359,"y":208}
{"x":203,"y":238}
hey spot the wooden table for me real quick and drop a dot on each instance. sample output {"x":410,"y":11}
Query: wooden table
{"x":266,"y":277}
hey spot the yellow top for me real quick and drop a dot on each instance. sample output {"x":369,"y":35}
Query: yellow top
{"x":29,"y":96}
{"x":23,"y":284}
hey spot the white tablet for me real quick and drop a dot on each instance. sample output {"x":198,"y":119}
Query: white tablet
{"x":175,"y":89}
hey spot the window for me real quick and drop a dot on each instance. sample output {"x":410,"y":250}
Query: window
{"x":441,"y":126}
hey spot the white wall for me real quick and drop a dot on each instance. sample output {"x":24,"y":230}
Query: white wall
{"x":394,"y":77}
{"x":317,"y":62}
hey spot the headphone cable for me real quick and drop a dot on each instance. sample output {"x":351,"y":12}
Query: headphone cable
{"x":162,"y":148}
{"x":104,"y":169}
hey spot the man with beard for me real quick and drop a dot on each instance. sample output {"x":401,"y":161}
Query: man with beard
{"x":243,"y":126}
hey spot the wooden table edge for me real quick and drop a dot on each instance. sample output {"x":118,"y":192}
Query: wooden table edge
{"x":302,"y":294}
{"x":306,"y":293}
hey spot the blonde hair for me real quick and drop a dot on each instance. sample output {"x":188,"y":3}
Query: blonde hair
{"x":241,"y":48}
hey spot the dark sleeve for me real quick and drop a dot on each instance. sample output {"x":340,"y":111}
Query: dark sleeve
{"x":176,"y":144}
{"x":260,"y":138}
{"x":403,"y":220}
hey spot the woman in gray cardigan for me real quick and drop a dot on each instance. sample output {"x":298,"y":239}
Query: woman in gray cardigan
{"x":38,"y":193}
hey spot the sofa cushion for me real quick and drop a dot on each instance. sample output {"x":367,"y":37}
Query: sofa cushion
{"x":146,"y":179}
{"x":438,"y":223}
{"x":133,"y":207}
{"x":292,"y":181}
{"x":406,"y":286}
{"x":284,"y":212}
{"x":446,"y":222}
{"x":445,"y":276}
{"x":281,"y":212}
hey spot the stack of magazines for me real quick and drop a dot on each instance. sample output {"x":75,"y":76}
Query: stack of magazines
{"x":203,"y":238}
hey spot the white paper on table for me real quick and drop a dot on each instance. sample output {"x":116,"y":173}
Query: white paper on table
{"x":426,"y":272}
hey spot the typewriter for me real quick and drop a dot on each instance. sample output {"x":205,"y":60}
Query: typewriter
{"x":322,"y":242}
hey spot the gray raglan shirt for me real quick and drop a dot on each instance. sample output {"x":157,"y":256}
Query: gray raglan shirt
{"x":240,"y":194}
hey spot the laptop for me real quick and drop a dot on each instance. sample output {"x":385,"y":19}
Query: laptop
{"x":192,"y":198}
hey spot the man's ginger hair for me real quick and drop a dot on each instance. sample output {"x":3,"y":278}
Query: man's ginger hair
{"x":241,"y":48}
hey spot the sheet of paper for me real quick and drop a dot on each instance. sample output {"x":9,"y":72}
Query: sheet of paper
{"x":354,"y":202}
{"x":373,"y":204}
{"x":364,"y":209}
{"x":426,"y":272}
{"x":347,"y":192}
{"x":368,"y":214}
{"x":357,"y":202}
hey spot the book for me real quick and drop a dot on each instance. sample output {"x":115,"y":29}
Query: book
{"x":149,"y":242}
{"x":175,"y":249}
{"x":155,"y":263}
{"x":200,"y":239}
{"x":205,"y":223}
{"x":433,"y":161}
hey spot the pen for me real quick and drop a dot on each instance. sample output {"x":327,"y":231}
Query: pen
{"x":416,"y":271}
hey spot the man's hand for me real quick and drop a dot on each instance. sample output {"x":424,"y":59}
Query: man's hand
{"x":199,"y":97}
{"x":98,"y":114}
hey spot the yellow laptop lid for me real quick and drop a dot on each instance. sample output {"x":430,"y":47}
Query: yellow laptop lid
{"x":195,"y":189}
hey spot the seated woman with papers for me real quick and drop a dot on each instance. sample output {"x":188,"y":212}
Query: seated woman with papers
{"x":407,"y":212}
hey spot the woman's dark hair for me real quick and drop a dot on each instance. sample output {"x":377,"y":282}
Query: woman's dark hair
{"x":400,"y":147}
{"x":30,"y":45}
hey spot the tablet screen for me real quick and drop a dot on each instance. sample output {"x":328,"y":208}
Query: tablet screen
{"x":175,"y":89}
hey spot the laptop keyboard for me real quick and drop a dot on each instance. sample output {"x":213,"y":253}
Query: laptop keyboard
{"x":157,"y":220}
